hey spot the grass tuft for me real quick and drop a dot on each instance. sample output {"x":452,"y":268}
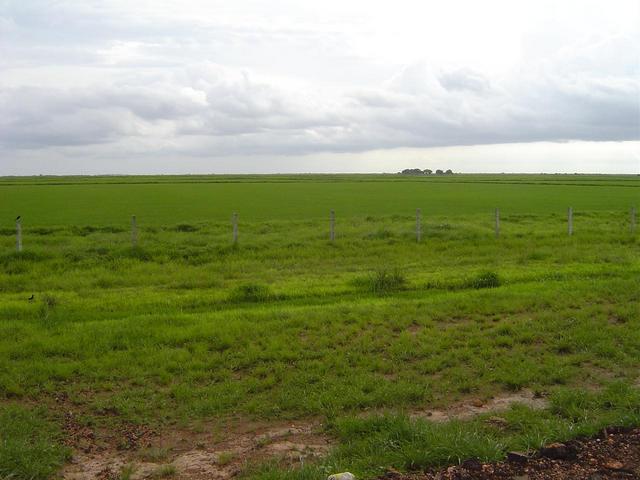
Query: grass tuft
{"x":486,"y":279}
{"x":251,"y":292}
{"x":165,"y":471}
{"x":186,"y":227}
{"x":383,"y":282}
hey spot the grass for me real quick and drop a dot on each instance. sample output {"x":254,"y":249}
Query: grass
{"x":186,"y":328}
{"x":161,"y":201}
{"x":164,"y":471}
{"x":29,"y":444}
{"x":485,"y":280}
{"x":154,"y":454}
{"x":371,"y":445}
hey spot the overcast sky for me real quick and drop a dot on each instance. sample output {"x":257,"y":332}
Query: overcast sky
{"x":186,"y":86}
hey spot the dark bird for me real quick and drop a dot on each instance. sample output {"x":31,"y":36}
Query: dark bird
{"x":32,"y":297}
{"x":17,"y":218}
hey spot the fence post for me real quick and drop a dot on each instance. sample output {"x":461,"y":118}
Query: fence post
{"x":418,"y":225}
{"x":134,"y":231}
{"x":332,"y":225}
{"x":18,"y":234}
{"x":234,"y":222}
{"x":633,"y":219}
{"x":570,"y":220}
{"x":497,"y":226}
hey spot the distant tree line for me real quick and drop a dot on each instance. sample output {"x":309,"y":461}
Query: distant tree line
{"x":417,"y":171}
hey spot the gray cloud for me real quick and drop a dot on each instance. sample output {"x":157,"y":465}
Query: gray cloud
{"x":181,"y":88}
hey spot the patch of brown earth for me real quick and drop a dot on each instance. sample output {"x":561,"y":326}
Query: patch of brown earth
{"x":223,"y":452}
{"x":214,"y":459}
{"x":612,"y":455}
{"x":499,"y":403}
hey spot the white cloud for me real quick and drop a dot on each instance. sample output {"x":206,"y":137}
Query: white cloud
{"x":126,"y":82}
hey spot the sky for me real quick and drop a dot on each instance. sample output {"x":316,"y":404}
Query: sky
{"x":248,"y":86}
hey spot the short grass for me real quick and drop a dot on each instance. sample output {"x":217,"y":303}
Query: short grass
{"x":371,"y":445}
{"x":30,"y":443}
{"x":161,"y":201}
{"x":186,"y":328}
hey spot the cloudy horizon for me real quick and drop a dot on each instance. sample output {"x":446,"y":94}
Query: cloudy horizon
{"x":99,"y":87}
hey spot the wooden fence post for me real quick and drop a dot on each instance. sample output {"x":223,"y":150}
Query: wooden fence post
{"x":497,"y":225}
{"x":332,"y":225}
{"x":570,"y":220}
{"x":134,"y":231}
{"x":234,"y":221}
{"x":18,"y":234}
{"x":418,"y":225}
{"x":633,"y":219}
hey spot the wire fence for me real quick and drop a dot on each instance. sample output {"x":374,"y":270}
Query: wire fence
{"x":235,"y":227}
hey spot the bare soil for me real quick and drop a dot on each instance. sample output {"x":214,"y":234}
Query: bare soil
{"x":613,"y":454}
{"x":221,"y":451}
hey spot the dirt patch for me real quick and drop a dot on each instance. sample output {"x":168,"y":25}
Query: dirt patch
{"x":475,"y":407}
{"x":222,"y":451}
{"x":614,"y":454}
{"x":205,"y":456}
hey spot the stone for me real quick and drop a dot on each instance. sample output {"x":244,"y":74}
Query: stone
{"x":517,"y":457}
{"x":472,"y":464}
{"x":391,"y":473}
{"x":558,"y":451}
{"x":342,"y":476}
{"x":614,"y":465}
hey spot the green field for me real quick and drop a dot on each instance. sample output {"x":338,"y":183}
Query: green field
{"x":188,"y":332}
{"x":162,"y":201}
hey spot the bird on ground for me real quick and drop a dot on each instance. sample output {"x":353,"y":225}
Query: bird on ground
{"x":17,"y":218}
{"x":32,"y":297}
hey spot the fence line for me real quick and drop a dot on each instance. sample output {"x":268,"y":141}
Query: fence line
{"x":332,"y":222}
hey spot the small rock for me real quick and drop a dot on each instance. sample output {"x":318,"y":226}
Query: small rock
{"x":487,"y":468}
{"x":614,"y":465}
{"x":477,"y":403}
{"x":391,"y":473}
{"x":558,"y":451}
{"x":342,"y":476}
{"x":517,"y":457}
{"x":472,"y":464}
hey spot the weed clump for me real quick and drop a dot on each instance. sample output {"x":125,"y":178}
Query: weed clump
{"x":382,"y":234}
{"x":47,"y":305}
{"x":185,"y":227}
{"x":138,"y":253}
{"x":383,"y":281}
{"x":164,"y":471}
{"x":485,"y":280}
{"x":251,"y":292}
{"x":25,"y":256}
